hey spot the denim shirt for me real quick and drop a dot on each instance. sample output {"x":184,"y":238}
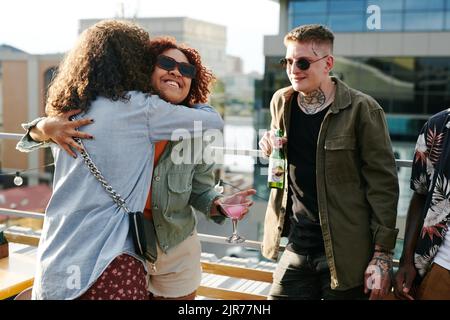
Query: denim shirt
{"x":84,"y":230}
{"x":178,"y":189}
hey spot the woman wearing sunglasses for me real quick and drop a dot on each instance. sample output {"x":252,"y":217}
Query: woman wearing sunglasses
{"x":178,"y":77}
{"x":86,"y":250}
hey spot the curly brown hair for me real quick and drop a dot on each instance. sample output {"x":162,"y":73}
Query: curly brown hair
{"x":200,"y":86}
{"x":110,"y":58}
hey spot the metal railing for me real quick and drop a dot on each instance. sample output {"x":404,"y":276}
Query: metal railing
{"x":244,"y":152}
{"x":203,"y":237}
{"x":22,"y":214}
{"x":400,"y":163}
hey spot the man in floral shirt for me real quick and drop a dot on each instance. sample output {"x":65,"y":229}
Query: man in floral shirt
{"x":425,"y":261}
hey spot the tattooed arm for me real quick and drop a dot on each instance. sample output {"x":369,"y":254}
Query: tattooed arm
{"x":377,"y":277}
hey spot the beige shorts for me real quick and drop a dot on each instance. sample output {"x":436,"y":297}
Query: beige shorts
{"x":178,"y":272}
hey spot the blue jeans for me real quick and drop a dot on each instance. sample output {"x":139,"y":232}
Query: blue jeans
{"x":299,"y":277}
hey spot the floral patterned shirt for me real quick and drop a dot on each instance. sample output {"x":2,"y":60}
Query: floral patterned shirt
{"x":430,"y":177}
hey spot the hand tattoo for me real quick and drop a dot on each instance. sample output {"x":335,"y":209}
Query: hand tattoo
{"x":384,"y":262}
{"x":378,"y":273}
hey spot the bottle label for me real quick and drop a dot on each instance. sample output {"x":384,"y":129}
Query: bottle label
{"x":277,"y":143}
{"x":276,"y":170}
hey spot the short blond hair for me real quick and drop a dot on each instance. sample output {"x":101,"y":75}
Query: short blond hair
{"x":314,"y":33}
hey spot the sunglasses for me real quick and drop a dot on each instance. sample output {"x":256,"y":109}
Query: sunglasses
{"x":302,"y":63}
{"x":167,"y":63}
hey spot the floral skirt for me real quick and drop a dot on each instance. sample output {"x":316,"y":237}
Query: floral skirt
{"x":123,"y":279}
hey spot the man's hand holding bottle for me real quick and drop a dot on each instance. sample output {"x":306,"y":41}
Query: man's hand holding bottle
{"x":268,"y":140}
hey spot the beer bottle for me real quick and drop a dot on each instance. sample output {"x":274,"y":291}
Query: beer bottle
{"x":277,"y":163}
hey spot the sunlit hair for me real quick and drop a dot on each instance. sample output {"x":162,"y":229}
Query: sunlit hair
{"x":200,"y":86}
{"x":109,"y":59}
{"x":314,"y":33}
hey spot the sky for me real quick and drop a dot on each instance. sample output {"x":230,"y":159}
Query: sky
{"x":51,"y":26}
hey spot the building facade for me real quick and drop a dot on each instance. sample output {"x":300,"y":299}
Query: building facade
{"x":398,"y":51}
{"x":24,"y":79}
{"x":208,"y":38}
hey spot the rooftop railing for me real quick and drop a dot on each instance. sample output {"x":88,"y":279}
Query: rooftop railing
{"x":221,"y":269}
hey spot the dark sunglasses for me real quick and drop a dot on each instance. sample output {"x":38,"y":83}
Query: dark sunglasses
{"x":169,"y":64}
{"x":302,"y":63}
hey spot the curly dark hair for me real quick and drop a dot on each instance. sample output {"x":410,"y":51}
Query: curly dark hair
{"x":200,"y":86}
{"x":110,"y":58}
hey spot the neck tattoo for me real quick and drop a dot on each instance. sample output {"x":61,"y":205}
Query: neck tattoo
{"x":314,"y":102}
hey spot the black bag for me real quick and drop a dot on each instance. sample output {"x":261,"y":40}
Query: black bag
{"x":144,"y":236}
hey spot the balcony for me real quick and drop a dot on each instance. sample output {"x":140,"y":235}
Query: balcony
{"x":227,"y":278}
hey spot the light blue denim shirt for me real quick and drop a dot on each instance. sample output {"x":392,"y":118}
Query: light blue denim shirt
{"x":84,"y":230}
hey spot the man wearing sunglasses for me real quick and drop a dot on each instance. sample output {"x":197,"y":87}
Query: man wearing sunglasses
{"x":338,"y":205}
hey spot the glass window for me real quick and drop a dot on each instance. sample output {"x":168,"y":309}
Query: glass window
{"x":291,"y":21}
{"x":347,"y":6}
{"x":437,"y":102}
{"x":387,"y":5}
{"x":424,"y":4}
{"x":434,"y":74}
{"x":417,"y":104}
{"x":403,"y":70}
{"x":391,"y":21}
{"x":424,"y":21}
{"x":447,"y":20}
{"x":308,"y":6}
{"x":346,"y":22}
{"x":308,"y":19}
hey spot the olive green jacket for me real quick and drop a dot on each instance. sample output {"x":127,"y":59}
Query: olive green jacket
{"x":357,"y":186}
{"x":179,"y":188}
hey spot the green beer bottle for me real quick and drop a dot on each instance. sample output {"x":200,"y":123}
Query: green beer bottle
{"x":277,"y":163}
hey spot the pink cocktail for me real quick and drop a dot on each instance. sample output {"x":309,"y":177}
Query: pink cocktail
{"x":234,"y":211}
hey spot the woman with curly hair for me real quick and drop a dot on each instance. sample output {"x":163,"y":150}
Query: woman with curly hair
{"x":86,"y":251}
{"x":181,"y":188}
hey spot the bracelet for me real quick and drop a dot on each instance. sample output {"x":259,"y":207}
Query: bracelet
{"x":383,"y":259}
{"x":384,"y":251}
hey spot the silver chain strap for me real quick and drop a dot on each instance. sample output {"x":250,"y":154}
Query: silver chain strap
{"x":117,"y":198}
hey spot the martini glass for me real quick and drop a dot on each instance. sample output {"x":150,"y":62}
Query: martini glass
{"x":234,"y":209}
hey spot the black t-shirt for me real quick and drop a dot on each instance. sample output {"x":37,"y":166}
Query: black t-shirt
{"x":305,"y":233}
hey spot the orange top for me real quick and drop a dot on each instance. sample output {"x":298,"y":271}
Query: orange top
{"x":159,"y":149}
